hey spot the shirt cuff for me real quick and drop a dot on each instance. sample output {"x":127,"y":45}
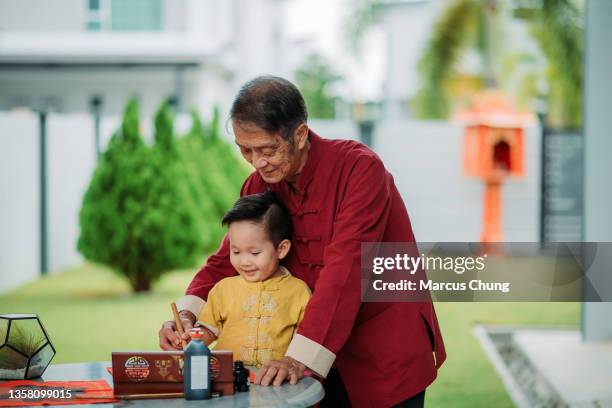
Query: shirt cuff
{"x":311,"y":354}
{"x":191,"y":303}
{"x":213,"y":329}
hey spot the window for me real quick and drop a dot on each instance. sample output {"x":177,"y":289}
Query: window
{"x":124,"y":15}
{"x":97,"y":14}
{"x":136,"y":14}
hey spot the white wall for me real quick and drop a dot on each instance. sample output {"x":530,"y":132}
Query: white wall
{"x":407,"y":27}
{"x":258,"y":39}
{"x":175,"y":15}
{"x":335,"y":129}
{"x":19,"y":199}
{"x":71,"y":161}
{"x":43,"y":15}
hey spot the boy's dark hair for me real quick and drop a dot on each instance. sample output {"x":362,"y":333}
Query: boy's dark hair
{"x":264,"y":208}
{"x":272,"y":104}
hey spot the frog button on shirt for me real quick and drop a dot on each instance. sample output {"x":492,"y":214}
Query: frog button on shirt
{"x":256,"y":320}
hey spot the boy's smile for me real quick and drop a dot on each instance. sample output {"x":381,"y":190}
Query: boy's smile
{"x":252,"y":253}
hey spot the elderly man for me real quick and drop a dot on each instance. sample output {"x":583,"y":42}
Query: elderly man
{"x":339,"y":195}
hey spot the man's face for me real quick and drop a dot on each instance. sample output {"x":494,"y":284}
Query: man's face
{"x":271,"y":155}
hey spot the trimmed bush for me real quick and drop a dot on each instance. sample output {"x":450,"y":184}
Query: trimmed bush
{"x":218,"y":173}
{"x":235,"y":168}
{"x":175,"y":230}
{"x":151,"y":209}
{"x":137,"y":217}
{"x":112,"y":209}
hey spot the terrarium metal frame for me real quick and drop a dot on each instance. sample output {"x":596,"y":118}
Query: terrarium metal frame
{"x":31,"y":359}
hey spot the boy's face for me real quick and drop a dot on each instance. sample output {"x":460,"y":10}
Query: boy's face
{"x":252,"y":253}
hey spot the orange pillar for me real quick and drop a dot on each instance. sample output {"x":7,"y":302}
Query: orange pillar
{"x":491,"y":231}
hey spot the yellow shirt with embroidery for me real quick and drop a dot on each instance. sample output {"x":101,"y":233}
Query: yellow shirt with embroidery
{"x":256,"y":320}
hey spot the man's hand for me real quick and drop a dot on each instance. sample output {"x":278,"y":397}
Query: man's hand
{"x":276,"y":371}
{"x":169,"y":338}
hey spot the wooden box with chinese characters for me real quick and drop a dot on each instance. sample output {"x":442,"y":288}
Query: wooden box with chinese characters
{"x":161,"y":372}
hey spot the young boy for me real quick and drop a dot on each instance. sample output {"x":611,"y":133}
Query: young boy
{"x":256,"y":313}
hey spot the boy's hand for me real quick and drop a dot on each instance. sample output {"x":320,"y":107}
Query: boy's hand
{"x":169,"y":338}
{"x":275,"y":372}
{"x":209,"y":336}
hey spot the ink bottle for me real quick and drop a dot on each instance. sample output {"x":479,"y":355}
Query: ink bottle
{"x":196,"y":370}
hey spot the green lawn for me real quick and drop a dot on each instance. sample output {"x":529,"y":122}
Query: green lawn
{"x":89,"y":312}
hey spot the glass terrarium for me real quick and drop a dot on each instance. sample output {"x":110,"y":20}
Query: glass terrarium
{"x":25,"y":347}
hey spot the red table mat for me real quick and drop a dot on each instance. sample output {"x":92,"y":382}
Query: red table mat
{"x":35,"y":393}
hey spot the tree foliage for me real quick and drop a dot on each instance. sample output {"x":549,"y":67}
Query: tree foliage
{"x":555,"y":24}
{"x":111,"y":217}
{"x":215,"y":174}
{"x":363,"y":14}
{"x":175,"y":231}
{"x":151,"y":209}
{"x":314,"y":79}
{"x":478,"y":25}
{"x":438,"y":64}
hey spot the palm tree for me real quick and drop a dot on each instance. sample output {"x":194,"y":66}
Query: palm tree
{"x":461,"y":24}
{"x":478,"y":25}
{"x":557,"y":25}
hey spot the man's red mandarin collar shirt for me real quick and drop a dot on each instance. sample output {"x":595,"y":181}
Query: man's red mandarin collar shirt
{"x":384,"y":352}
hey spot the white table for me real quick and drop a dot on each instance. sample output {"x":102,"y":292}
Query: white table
{"x":304,"y":394}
